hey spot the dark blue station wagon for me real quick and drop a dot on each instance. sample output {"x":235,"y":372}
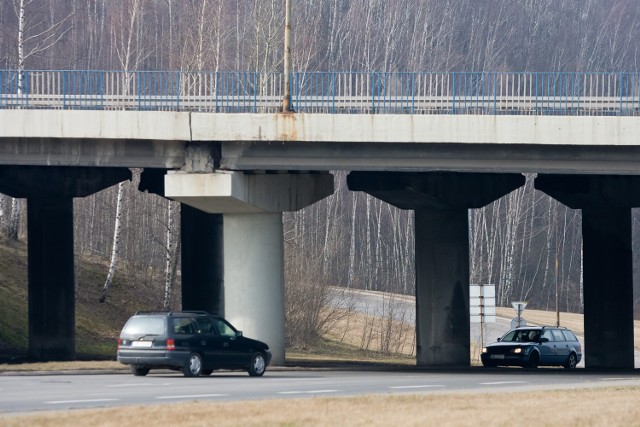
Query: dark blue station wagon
{"x":534,"y":346}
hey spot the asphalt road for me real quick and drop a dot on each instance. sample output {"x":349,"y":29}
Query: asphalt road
{"x":40,"y":392}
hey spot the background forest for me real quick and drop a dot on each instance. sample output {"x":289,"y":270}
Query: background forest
{"x":525,"y":243}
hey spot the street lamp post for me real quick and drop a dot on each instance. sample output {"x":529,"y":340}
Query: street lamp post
{"x":286,"y":100}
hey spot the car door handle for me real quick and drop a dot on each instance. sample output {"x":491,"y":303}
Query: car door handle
{"x":225,"y":344}
{"x":203,"y":342}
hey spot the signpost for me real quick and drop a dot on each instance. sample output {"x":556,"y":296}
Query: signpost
{"x":518,"y":321}
{"x":482,"y":306}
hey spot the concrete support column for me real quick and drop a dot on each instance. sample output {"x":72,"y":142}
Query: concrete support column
{"x":442,"y":287}
{"x":254,"y":268}
{"x":247,"y":274}
{"x":606,"y":202}
{"x":608,"y":290}
{"x":51,"y":278}
{"x":202,"y":260}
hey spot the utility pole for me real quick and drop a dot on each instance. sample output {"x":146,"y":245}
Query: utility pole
{"x":286,"y":100}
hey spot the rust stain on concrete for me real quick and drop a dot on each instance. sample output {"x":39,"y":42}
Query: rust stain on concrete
{"x":287,"y":126}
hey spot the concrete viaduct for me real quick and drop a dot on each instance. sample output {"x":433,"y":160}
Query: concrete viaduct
{"x":235,"y":173}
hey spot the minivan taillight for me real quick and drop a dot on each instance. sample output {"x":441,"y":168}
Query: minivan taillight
{"x":119,"y":343}
{"x":171,"y":344}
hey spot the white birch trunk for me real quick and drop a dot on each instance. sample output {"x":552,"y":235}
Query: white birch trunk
{"x":115,"y":250}
{"x":170,"y":258}
{"x":21,"y":48}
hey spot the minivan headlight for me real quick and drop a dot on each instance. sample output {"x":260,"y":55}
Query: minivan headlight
{"x":484,"y":349}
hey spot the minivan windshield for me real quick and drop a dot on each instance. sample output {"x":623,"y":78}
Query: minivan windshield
{"x":141,"y":326}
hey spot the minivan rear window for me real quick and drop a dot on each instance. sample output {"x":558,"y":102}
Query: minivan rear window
{"x":139,"y":326}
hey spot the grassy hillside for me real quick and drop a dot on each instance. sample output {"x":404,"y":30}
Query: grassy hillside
{"x":97,"y":324}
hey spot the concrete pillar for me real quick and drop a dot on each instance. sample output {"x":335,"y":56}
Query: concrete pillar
{"x":441,"y":201}
{"x":442,"y":287}
{"x":606,"y":202}
{"x":202,"y":260}
{"x":254,"y":271}
{"x":608,"y":288}
{"x":51,"y":278}
{"x":251,"y":277}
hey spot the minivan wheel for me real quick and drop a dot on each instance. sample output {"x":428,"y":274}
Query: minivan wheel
{"x":571,"y":362}
{"x":193,"y":366}
{"x":257,"y":366}
{"x":139,"y":371}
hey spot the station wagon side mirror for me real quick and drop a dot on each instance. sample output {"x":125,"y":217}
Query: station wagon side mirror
{"x":543,"y":340}
{"x":238,"y":333}
{"x":499,"y":339}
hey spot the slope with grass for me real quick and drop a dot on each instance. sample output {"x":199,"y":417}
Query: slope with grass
{"x":97,"y":324}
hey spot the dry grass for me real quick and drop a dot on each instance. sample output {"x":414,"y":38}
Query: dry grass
{"x":63,"y":366}
{"x":589,"y":407}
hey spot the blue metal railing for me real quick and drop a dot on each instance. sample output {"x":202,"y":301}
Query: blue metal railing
{"x":616,"y":94}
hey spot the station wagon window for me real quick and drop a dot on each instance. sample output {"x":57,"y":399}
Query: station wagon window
{"x":569,"y":336}
{"x":204,"y":325}
{"x":224,"y":329}
{"x":184,"y":325}
{"x":144,"y":326}
{"x":547,"y":334}
{"x":558,"y":335}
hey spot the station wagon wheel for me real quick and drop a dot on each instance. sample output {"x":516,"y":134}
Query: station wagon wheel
{"x":572,"y":361}
{"x":257,"y":365}
{"x":139,"y":371}
{"x":534,"y":359}
{"x":193,"y":366}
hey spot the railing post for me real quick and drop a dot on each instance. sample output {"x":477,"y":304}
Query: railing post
{"x":620,"y":84}
{"x":64,"y":90}
{"x":413,"y":92}
{"x":139,"y":84}
{"x":26,"y":87}
{"x":495,"y":96}
{"x":453,"y":84}
{"x":178,"y":89}
{"x":373,"y":95}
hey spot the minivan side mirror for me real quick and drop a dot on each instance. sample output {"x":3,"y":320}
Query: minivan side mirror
{"x":238,"y":333}
{"x":499,"y":339}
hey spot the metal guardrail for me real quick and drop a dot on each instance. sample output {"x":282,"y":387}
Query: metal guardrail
{"x":615,"y":94}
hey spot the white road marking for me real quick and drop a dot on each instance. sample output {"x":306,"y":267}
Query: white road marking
{"x":133,"y":385}
{"x":191,"y":396}
{"x":402,"y":387}
{"x":504,"y":382}
{"x":62,"y":402}
{"x":308,"y":392}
